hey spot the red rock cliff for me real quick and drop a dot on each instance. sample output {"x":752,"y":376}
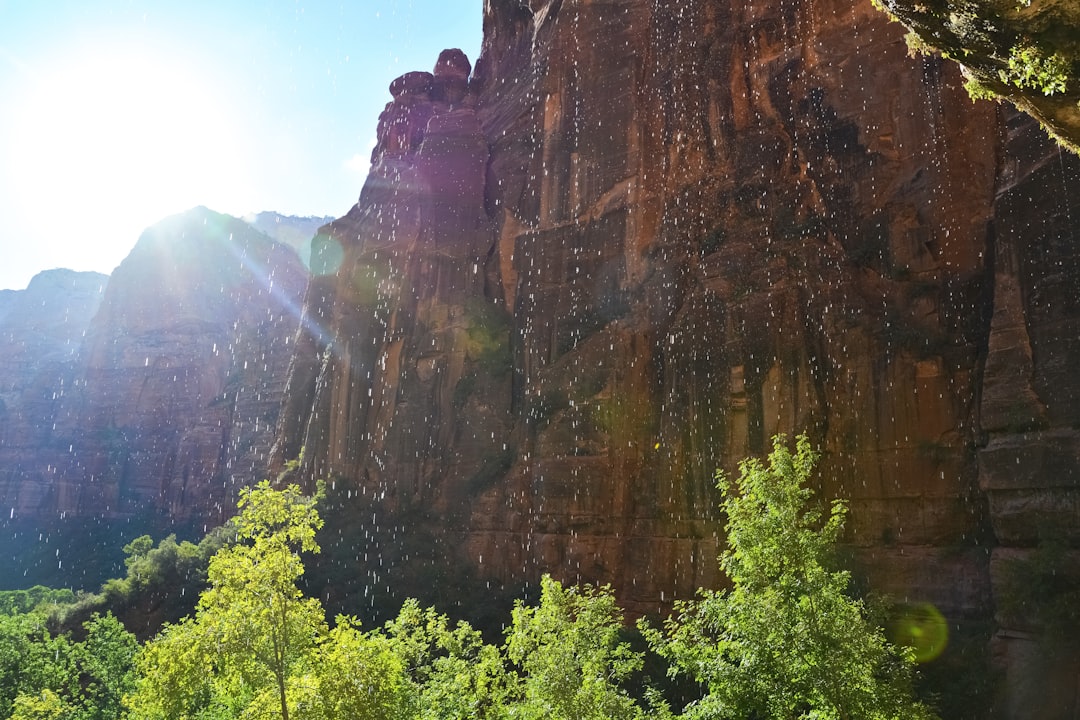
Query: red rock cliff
{"x":41,"y":331}
{"x":172,"y":396}
{"x":642,"y":239}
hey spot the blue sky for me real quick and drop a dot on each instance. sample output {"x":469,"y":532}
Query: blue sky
{"x":119,"y":112}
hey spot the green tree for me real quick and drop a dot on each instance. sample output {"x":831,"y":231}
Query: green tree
{"x":252,"y":629}
{"x":105,"y":660}
{"x":253,"y":610}
{"x":159,"y":571}
{"x":454,"y":674}
{"x":570,"y":655}
{"x":562,"y":659}
{"x":163,"y":582}
{"x":39,"y":597}
{"x":786,"y":640}
{"x":356,"y":675}
{"x":42,"y":674}
{"x":31,"y":660}
{"x":45,"y":705}
{"x":175,"y":678}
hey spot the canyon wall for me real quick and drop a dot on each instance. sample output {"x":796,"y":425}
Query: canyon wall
{"x":41,"y":331}
{"x":640,"y":239}
{"x":627,"y":248}
{"x":1029,"y":450}
{"x":578,"y":284}
{"x":171,"y":382}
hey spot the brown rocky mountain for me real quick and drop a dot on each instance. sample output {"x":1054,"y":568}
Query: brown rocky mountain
{"x":41,"y":331}
{"x":632,"y":244}
{"x":182,"y":372}
{"x":153,"y":399}
{"x":640,"y":239}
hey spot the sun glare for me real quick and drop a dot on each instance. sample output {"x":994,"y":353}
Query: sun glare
{"x":111,"y":141}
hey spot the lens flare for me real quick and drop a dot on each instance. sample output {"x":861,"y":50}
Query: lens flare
{"x":922,"y":628}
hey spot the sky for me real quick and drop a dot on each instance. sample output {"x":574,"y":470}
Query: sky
{"x":117,"y":113}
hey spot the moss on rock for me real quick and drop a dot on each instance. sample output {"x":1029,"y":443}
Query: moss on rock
{"x":1024,"y":51}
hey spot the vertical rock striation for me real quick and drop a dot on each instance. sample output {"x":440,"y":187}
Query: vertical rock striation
{"x":575,"y":285}
{"x":645,"y":237}
{"x":1029,"y":455}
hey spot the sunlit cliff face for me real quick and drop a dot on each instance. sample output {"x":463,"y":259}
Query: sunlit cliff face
{"x":721,"y":221}
{"x":680,"y":254}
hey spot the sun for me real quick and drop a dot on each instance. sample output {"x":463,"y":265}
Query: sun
{"x":112,"y":139}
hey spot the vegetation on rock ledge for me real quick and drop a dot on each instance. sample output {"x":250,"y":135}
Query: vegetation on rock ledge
{"x":1024,"y":51}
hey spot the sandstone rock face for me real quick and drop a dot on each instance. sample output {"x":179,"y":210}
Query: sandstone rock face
{"x":567,"y":296}
{"x":41,"y":331}
{"x":175,"y":388}
{"x":644,"y":238}
{"x":1029,"y":458}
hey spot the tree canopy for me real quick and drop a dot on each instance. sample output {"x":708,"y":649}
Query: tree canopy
{"x":785,"y":641}
{"x":252,"y":629}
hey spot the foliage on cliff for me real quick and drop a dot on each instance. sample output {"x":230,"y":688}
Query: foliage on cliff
{"x":1024,"y":51}
{"x":162,"y":584}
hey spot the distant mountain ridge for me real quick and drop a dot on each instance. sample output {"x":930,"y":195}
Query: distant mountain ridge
{"x":41,"y":330}
{"x":7,"y":298}
{"x":292,"y":230}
